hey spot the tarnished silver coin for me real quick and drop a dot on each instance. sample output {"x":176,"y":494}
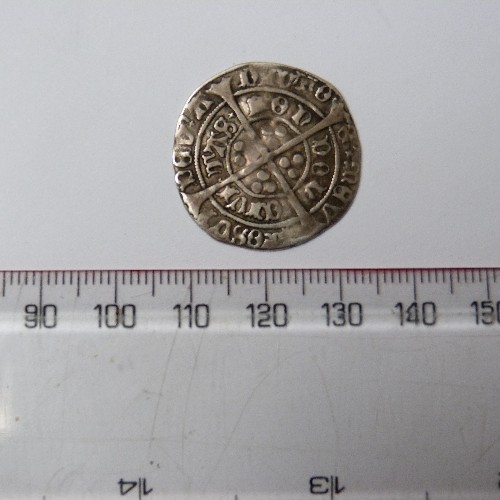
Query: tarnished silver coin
{"x":266,"y":156}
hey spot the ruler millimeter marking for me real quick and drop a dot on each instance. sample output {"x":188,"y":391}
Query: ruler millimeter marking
{"x":315,"y":300}
{"x":250,"y":384}
{"x":240,"y":276}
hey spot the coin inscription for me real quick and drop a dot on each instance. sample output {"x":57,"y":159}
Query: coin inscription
{"x":266,"y":156}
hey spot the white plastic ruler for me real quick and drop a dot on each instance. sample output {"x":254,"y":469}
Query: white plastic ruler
{"x":248,"y":384}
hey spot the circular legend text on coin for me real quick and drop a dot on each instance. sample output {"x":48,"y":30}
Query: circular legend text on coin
{"x":266,"y":156}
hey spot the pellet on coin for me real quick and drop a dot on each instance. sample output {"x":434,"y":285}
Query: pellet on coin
{"x":266,"y":156}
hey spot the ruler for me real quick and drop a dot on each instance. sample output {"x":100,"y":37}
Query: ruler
{"x":250,"y":384}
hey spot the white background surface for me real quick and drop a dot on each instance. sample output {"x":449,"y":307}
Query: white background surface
{"x":90,"y":93}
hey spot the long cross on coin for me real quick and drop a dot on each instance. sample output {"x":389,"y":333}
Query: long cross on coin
{"x":266,"y":156}
{"x":196,"y":200}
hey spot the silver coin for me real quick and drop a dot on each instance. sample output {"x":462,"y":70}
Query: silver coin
{"x":266,"y":156}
